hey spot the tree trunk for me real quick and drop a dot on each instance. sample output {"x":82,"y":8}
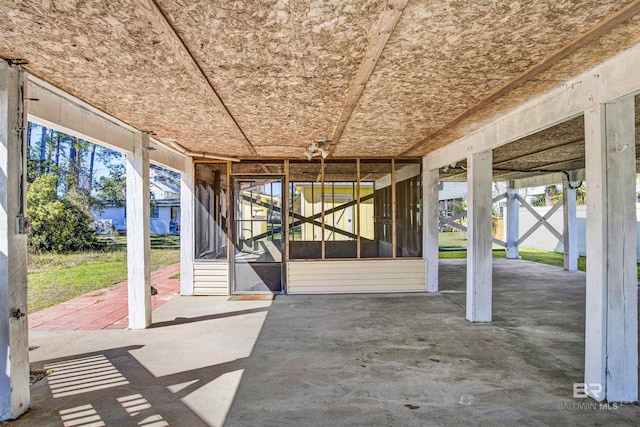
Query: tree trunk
{"x":72,"y":169}
{"x":91,"y":165}
{"x":57,"y":171}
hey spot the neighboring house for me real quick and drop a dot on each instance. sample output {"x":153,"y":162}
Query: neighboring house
{"x":164,"y":214}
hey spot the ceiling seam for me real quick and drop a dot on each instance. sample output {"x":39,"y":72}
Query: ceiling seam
{"x":153,"y":12}
{"x":388,"y":20}
{"x":550,"y":60}
{"x":533,"y":153}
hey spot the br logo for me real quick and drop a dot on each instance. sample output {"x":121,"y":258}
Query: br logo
{"x":584,"y":390}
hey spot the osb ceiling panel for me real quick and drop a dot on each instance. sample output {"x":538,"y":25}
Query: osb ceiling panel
{"x":106,"y":54}
{"x":558,"y":148}
{"x":281,"y":67}
{"x":444,"y":56}
{"x":619,"y":39}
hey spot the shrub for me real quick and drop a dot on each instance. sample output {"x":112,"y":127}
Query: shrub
{"x":57,"y":225}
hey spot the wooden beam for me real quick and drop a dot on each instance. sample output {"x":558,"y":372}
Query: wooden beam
{"x":394,"y":225}
{"x":611,"y":324}
{"x":387,"y":23}
{"x":358,"y":250}
{"x":138,"y":245}
{"x":152,"y":12}
{"x":542,"y":220}
{"x":513,"y":222}
{"x":14,"y":380}
{"x":187,"y":227}
{"x":431,"y":213}
{"x":570,"y":231}
{"x":479,"y":249}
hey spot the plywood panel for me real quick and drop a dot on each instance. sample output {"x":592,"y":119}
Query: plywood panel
{"x":356,"y":276}
{"x":283,"y":68}
{"x":211,"y":278}
{"x":445,"y":56}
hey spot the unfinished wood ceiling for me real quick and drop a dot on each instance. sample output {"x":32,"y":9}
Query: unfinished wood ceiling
{"x":560,"y":148}
{"x":265,"y":79}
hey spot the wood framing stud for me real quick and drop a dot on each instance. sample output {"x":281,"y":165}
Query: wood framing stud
{"x":386,"y":24}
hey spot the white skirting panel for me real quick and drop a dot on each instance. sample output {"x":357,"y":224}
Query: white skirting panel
{"x":210,"y":278}
{"x":399,"y":275}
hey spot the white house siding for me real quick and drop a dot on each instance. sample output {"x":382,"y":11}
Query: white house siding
{"x":544,"y":240}
{"x":398,"y":275}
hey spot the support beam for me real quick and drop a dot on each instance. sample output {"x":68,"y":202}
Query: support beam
{"x":56,"y":109}
{"x":138,"y":243}
{"x":611,"y":328}
{"x":479,"y":249}
{"x":548,"y":179}
{"x":570,"y":233}
{"x":431,"y":209}
{"x":513,"y":222}
{"x":387,"y":23}
{"x":187,"y":227}
{"x":14,"y":347}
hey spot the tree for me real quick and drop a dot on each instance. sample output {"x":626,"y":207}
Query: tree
{"x":112,"y":188}
{"x":57,"y":225}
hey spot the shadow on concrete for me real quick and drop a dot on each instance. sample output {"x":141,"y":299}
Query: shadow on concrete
{"x":112,"y":387}
{"x":376,"y":360}
{"x":184,"y":320}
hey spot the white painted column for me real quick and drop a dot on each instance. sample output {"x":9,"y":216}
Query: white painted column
{"x":138,"y":243}
{"x":611,"y":327}
{"x":14,"y":347}
{"x":479,"y":243}
{"x":187,"y":242}
{"x":570,"y":233}
{"x":513,"y":222}
{"x":431,"y":209}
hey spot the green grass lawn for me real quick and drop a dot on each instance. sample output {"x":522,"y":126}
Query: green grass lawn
{"x":535,"y":255}
{"x":57,"y":278}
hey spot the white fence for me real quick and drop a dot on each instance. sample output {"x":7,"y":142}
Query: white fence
{"x":543,"y":239}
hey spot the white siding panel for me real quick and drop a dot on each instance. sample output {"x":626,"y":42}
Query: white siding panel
{"x":306,"y":277}
{"x":211,"y":278}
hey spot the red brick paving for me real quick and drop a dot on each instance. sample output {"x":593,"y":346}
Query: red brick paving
{"x":103,"y":309}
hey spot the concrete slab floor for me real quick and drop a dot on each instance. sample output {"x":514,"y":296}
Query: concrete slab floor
{"x":331,"y":360}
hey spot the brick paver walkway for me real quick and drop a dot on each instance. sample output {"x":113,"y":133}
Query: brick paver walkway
{"x":102,"y":309}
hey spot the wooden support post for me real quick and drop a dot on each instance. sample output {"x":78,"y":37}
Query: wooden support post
{"x":479,"y":248}
{"x":394,"y":222}
{"x":138,"y":244}
{"x":513,"y":222}
{"x":570,"y":233}
{"x":187,"y":227}
{"x":431,"y":212}
{"x":14,"y":347}
{"x":611,"y":328}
